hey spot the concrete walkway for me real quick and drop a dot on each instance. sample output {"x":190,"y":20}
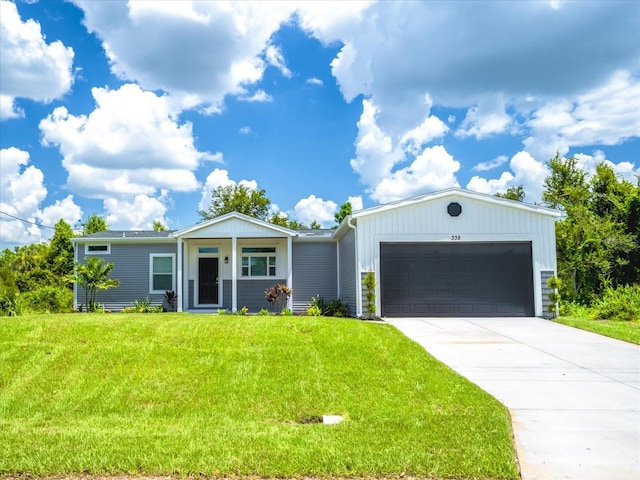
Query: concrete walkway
{"x":574,"y":396}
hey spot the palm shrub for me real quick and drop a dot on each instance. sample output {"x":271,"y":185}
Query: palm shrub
{"x":94,"y":276}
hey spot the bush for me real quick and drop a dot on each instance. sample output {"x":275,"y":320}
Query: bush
{"x":573,"y":309}
{"x":622,"y":303}
{"x":47,"y":299}
{"x":334,"y":308}
{"x":337,"y":308}
{"x":143,"y":306}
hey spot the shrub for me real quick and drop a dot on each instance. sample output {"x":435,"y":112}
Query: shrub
{"x":48,"y":299}
{"x":573,"y":309}
{"x":370,"y":294}
{"x":171,"y":298}
{"x":622,"y":303}
{"x":337,"y":308}
{"x":278,"y":296}
{"x":333,"y":308}
{"x":264,"y":311}
{"x":143,"y":306}
{"x":244,"y":310}
{"x":319,"y":304}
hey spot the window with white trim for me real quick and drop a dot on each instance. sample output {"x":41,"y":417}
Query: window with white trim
{"x":97,"y":249}
{"x":162,"y":272}
{"x":259,"y":262}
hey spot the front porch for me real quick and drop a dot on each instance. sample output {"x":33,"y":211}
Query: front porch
{"x":229,"y":262}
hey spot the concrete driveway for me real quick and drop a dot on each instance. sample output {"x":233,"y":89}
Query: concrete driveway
{"x":574,"y":396}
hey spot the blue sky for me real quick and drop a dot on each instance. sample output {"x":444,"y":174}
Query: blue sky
{"x":136,"y":110}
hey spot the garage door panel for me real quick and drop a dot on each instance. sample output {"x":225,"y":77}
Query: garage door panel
{"x":473,"y":279}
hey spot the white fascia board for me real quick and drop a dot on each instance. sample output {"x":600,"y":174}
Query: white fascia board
{"x":240,"y":216}
{"x":483,"y":197}
{"x":82,"y":240}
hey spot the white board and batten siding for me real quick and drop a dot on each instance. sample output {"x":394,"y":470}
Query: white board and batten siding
{"x":482,"y":220}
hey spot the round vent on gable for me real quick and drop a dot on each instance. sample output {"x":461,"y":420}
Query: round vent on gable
{"x":454,"y":209}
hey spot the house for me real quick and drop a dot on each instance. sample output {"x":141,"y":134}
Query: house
{"x":448,"y":253}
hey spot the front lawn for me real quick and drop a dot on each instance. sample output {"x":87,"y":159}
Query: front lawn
{"x":627,"y":331}
{"x":180,"y":394}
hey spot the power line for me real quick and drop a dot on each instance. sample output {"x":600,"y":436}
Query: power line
{"x":26,"y":221}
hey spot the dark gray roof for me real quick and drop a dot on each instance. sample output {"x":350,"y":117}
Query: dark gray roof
{"x":110,"y":234}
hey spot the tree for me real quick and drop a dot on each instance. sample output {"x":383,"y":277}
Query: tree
{"x":593,"y":239}
{"x":282,"y":220}
{"x":513,"y":193}
{"x":237,"y":198}
{"x":60,"y":254}
{"x":94,"y":276}
{"x":95,"y":223}
{"x":315,"y":225}
{"x":345,"y":210}
{"x":158,"y":226}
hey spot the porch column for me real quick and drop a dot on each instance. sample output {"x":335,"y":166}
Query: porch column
{"x":290,"y":271}
{"x":234,"y":274}
{"x":179,"y":276}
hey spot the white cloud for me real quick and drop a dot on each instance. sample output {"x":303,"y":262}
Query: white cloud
{"x":246,"y":130}
{"x":487,"y":118}
{"x":315,"y":81}
{"x":138,"y":214}
{"x":626,"y":170}
{"x":433,"y":169}
{"x":379,"y":154}
{"x":491,"y":164}
{"x":64,"y":209}
{"x":312,"y":208}
{"x":395,"y":54}
{"x":220,"y":178}
{"x":527,"y":171}
{"x":331,"y":19}
{"x":219,"y":44}
{"x":29,"y":66}
{"x":22,"y":192}
{"x":375,"y":152}
{"x":356,"y":203}
{"x":274,"y":57}
{"x":492,"y":186}
{"x":130,"y":144}
{"x":427,"y":131}
{"x":259,"y":96}
{"x":606,"y":115}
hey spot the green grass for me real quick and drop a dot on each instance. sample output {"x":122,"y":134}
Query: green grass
{"x":627,"y":331}
{"x":182,"y":394}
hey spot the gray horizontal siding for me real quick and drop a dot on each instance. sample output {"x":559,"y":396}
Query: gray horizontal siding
{"x":347,"y":279}
{"x":131,"y":268}
{"x":315,"y":272}
{"x":545,"y":275}
{"x":251,"y":293}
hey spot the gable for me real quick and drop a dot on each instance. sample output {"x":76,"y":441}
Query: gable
{"x":234,"y":225}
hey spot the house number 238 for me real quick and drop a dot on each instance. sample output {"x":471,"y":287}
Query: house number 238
{"x":455,"y":237}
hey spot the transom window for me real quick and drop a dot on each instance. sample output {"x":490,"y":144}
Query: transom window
{"x":97,"y":249}
{"x":162,"y":272}
{"x":259,"y":262}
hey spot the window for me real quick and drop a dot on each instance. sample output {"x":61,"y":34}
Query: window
{"x":97,"y":249}
{"x":259,"y":262}
{"x":162,"y":272}
{"x":207,"y":249}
